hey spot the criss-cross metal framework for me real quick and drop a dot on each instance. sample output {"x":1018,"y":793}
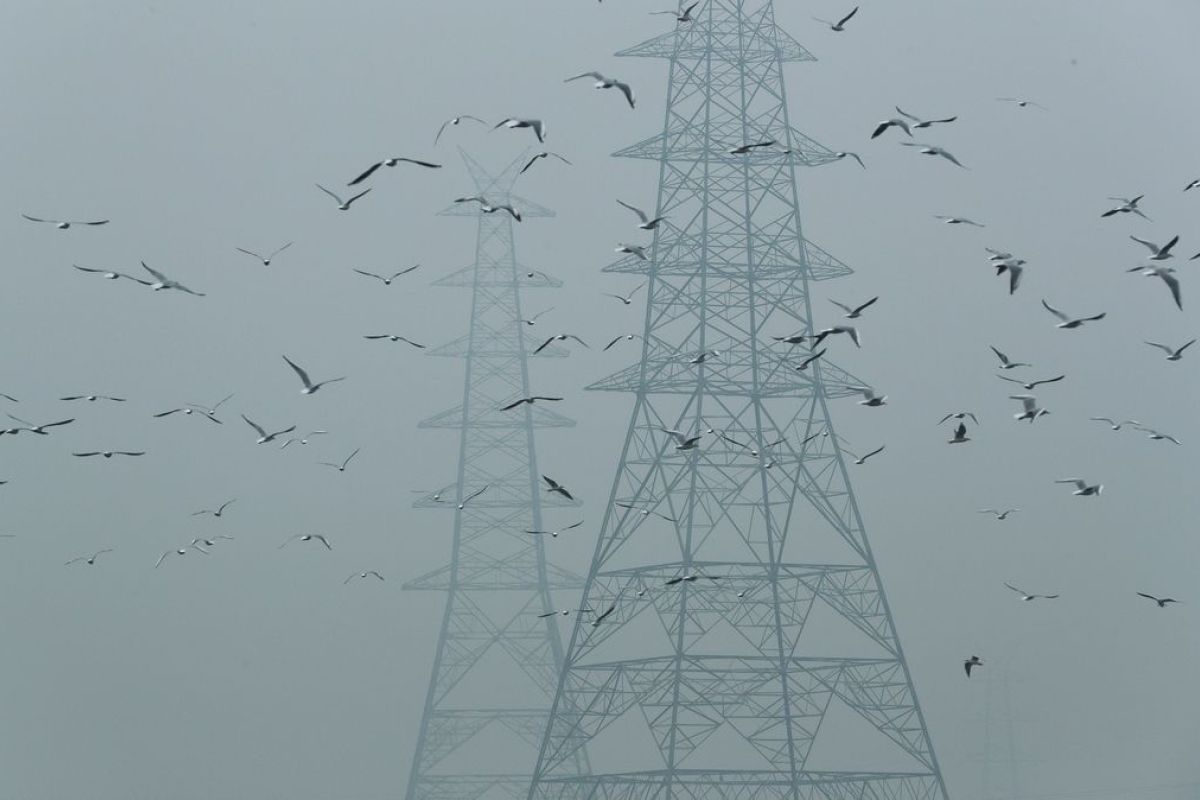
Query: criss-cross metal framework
{"x":748,"y":626}
{"x":498,"y":580}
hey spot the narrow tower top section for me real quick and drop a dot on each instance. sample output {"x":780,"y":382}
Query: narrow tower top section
{"x":725,"y":31}
{"x":497,"y":190}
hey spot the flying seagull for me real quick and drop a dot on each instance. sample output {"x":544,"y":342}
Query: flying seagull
{"x":919,"y":122}
{"x":555,"y":487}
{"x":629,"y":337}
{"x":1129,"y":205}
{"x":973,"y":661}
{"x":89,"y":560}
{"x":302,"y":440}
{"x":856,"y":311}
{"x":111,"y":275}
{"x":1029,"y":386}
{"x":958,"y":221}
{"x":1173,"y":354}
{"x":559,"y":337}
{"x":564,"y":612}
{"x":1192,"y":185}
{"x":188,"y":411}
{"x":634,"y":249}
{"x":1006,"y":363}
{"x":455,"y":121}
{"x":864,"y":458}
{"x":359,"y":575}
{"x":553,"y":534}
{"x":472,"y":496}
{"x":1031,"y":410}
{"x":601,"y":82}
{"x":843,"y":154}
{"x":342,"y":466}
{"x":840,"y":25}
{"x":343,"y":205}
{"x":848,"y":329}
{"x":533,"y":320}
{"x":1028,"y":597}
{"x":182,"y":551}
{"x":743,"y":149}
{"x":263,"y":436}
{"x":680,"y":16}
{"x":1112,"y":423}
{"x":391,"y":337}
{"x":536,"y":125}
{"x":529,"y":400}
{"x":391,"y":162}
{"x":1067,"y":322}
{"x":309,"y":386}
{"x":9,"y":397}
{"x":960,"y":434}
{"x":804,"y":365}
{"x":934,"y":150}
{"x":1158,"y":252}
{"x":62,"y":225}
{"x":625,"y":299}
{"x":109,"y":453}
{"x":1022,"y":102}
{"x":959,"y":415}
{"x":1082,"y":488}
{"x":1014,"y":268}
{"x":217,"y":513}
{"x":266,"y":260}
{"x":645,"y":223}
{"x":882,"y":127}
{"x":1168,"y":277}
{"x":308,"y":537}
{"x":645,"y":512}
{"x":488,"y":207}
{"x":1156,"y":435}
{"x":91,"y":398}
{"x":603,"y":615}
{"x":870,"y":397}
{"x":386,"y":280}
{"x":690,"y":577}
{"x":161,"y":282}
{"x":682,"y":440}
{"x":40,"y":430}
{"x":1162,"y":601}
{"x":541,"y":155}
{"x":1000,"y":514}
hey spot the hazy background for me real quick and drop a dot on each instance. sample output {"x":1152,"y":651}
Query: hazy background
{"x":254,"y":672}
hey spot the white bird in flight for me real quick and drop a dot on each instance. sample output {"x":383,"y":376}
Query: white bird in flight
{"x":1168,"y":277}
{"x":217,"y":512}
{"x":602,"y":82}
{"x":934,"y":150}
{"x":455,"y":121}
{"x":1173,"y":353}
{"x":625,"y":299}
{"x":629,"y":337}
{"x":645,"y":512}
{"x":266,"y":260}
{"x":871,"y":399}
{"x":1006,"y":363}
{"x":553,"y":534}
{"x":488,"y":207}
{"x":854,"y":312}
{"x":840,"y":25}
{"x":645,"y":223}
{"x":848,"y":329}
{"x":309,"y":386}
{"x":1158,"y":252}
{"x":308,"y":537}
{"x":536,"y":125}
{"x":1083,"y":488}
{"x":960,"y":434}
{"x":342,"y":466}
{"x":1022,"y":102}
{"x":1069,"y":322}
{"x":91,"y":398}
{"x":1014,"y":268}
{"x":62,"y":224}
{"x":921,"y":122}
{"x":109,"y":453}
{"x":392,"y":337}
{"x":343,"y":205}
{"x":1026,"y":596}
{"x":883,"y":125}
{"x":1029,"y":386}
{"x":391,"y":162}
{"x":359,"y":575}
{"x":681,"y":16}
{"x":633,"y":249}
{"x":89,"y":560}
{"x":683,"y":441}
{"x":386,"y":279}
{"x":863,"y":459}
{"x":1112,"y":423}
{"x":111,"y":275}
{"x":263,"y":436}
{"x":1030,"y":409}
{"x":471,"y":496}
{"x":161,"y":282}
{"x":1000,"y":514}
{"x":958,"y":221}
{"x":302,"y":440}
{"x":1156,"y":435}
{"x":1129,"y":205}
{"x":538,"y":156}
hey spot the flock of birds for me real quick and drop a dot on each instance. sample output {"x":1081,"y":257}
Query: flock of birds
{"x":1156,"y":256}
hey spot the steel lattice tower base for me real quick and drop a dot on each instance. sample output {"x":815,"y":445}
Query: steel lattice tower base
{"x":498,"y":580}
{"x":750,"y":632}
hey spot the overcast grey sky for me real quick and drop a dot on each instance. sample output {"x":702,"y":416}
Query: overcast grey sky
{"x":198,"y":128}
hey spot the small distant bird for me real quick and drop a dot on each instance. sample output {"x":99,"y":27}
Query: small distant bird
{"x":794,"y":339}
{"x":110,"y":453}
{"x":391,"y":337}
{"x":1112,"y":423}
{"x":742,"y":445}
{"x":1173,"y":354}
{"x":958,"y":221}
{"x":804,"y":365}
{"x":843,"y":154}
{"x":882,"y":127}
{"x":111,"y":275}
{"x":1031,"y":411}
{"x":920,"y":122}
{"x":390,"y":162}
{"x":455,"y":121}
{"x":1082,"y":488}
{"x":553,"y":534}
{"x":181,"y":551}
{"x":645,"y":512}
{"x":308,"y":537}
{"x":217,"y":513}
{"x":635,"y":249}
{"x":1156,"y":435}
{"x":472,"y":496}
{"x":1028,"y":597}
{"x":62,"y":225}
{"x":863,"y":459}
{"x":309,"y":386}
{"x":91,"y":398}
{"x":1000,"y":514}
{"x":1006,"y":363}
{"x":1158,"y":252}
{"x":681,"y":16}
{"x":629,"y":337}
{"x":302,"y":440}
{"x":700,"y":358}
{"x":343,"y":205}
{"x":386,"y":280}
{"x":266,"y":260}
{"x":959,"y":415}
{"x":871,"y":399}
{"x":1162,"y":601}
{"x":1030,"y":385}
{"x":848,"y":329}
{"x":555,"y":487}
{"x":645,"y":223}
{"x":743,"y":149}
{"x":40,"y":430}
{"x":358,"y":575}
{"x":212,"y":542}
{"x":1014,"y":269}
{"x":1168,"y":277}
{"x":188,"y":411}
{"x":342,"y":466}
{"x":536,"y":125}
{"x":263,"y":436}
{"x":9,"y":397}
{"x":625,"y":299}
{"x":533,"y":320}
{"x":563,"y":612}
{"x":1192,"y":185}
{"x":1022,"y":102}
{"x":162,"y":282}
{"x":89,"y":560}
{"x":691,"y":577}
{"x":601,"y":82}
{"x":934,"y":150}
{"x":960,"y":434}
{"x":683,"y":441}
{"x":1129,"y":205}
{"x":973,"y":661}
{"x":488,"y":207}
{"x":603,"y":615}
{"x":1069,"y":323}
{"x":541,"y":155}
{"x":840,"y":25}
{"x":998,"y":255}
{"x":559,"y":337}
{"x":856,"y":311}
{"x":529,"y":400}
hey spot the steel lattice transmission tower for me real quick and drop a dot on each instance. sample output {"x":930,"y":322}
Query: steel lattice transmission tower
{"x":498,"y":580}
{"x":750,"y":652}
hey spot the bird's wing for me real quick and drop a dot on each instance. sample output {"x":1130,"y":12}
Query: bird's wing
{"x":1165,"y":348}
{"x":614,"y":341}
{"x":531,"y":162}
{"x":38,"y":219}
{"x":626,"y":90}
{"x":514,"y":404}
{"x":874,"y":452}
{"x":883,"y":126}
{"x":254,"y":425}
{"x":95,"y":222}
{"x":155,"y":273}
{"x":303,"y":375}
{"x":352,"y":455}
{"x":248,"y":252}
{"x":1055,"y":311}
{"x":1015,"y":589}
{"x":1149,"y":596}
{"x":331,"y":194}
{"x":904,"y":113}
{"x":85,"y":455}
{"x":1151,"y":245}
{"x":1003,"y":358}
{"x":595,"y":75}
{"x":439,"y":133}
{"x":360,"y":194}
{"x":368,"y":274}
{"x":418,"y":162}
{"x":641,"y":214}
{"x":867,"y":304}
{"x":280,"y":250}
{"x":544,"y":345}
{"x":162,"y":558}
{"x":842,"y":306}
{"x":1048,"y":380}
{"x":946,"y":154}
{"x":1166,"y":248}
{"x":846,"y":18}
{"x":1173,"y":284}
{"x":1095,"y":317}
{"x":576,"y":338}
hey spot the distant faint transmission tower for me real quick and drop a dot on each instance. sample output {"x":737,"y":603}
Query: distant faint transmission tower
{"x":498,"y":581}
{"x":750,"y":652}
